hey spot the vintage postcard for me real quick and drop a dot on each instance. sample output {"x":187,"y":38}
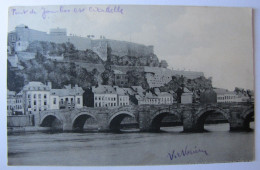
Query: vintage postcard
{"x":101,"y":85}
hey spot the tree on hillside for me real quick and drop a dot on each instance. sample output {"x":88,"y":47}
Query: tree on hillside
{"x":40,"y":58}
{"x":15,"y":82}
{"x":107,"y":77}
{"x":136,"y":78}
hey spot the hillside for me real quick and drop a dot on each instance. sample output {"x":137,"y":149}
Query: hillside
{"x":68,"y":50}
{"x":197,"y":84}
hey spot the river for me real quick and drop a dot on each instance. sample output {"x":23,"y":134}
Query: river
{"x":131,"y":148}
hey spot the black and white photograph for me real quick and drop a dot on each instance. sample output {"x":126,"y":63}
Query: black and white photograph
{"x":126,"y":85}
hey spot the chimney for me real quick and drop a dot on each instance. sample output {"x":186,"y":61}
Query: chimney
{"x":49,"y":85}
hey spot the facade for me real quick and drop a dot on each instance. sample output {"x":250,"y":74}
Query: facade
{"x":11,"y":102}
{"x":36,"y":96}
{"x":104,"y":96}
{"x":225,"y":96}
{"x":19,"y":108}
{"x":67,"y":97}
{"x":153,"y":98}
{"x":108,"y":96}
{"x":123,"y":97}
{"x":14,"y":103}
{"x":165,"y":98}
{"x":121,"y":78}
{"x":186,"y":97}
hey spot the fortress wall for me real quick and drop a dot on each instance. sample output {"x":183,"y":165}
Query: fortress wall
{"x":189,"y":74}
{"x":81,"y":43}
{"x":122,"y":48}
{"x":127,"y":68}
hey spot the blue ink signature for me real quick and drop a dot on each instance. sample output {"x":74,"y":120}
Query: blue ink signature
{"x":23,"y":12}
{"x":109,"y":9}
{"x":186,"y":152}
{"x":62,"y":9}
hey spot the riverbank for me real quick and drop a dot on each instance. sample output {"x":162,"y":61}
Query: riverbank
{"x":27,"y":129}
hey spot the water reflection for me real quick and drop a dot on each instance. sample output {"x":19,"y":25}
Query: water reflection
{"x":131,"y":148}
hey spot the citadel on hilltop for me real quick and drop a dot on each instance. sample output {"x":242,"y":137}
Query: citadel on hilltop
{"x":20,"y":38}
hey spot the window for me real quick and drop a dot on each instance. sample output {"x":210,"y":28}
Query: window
{"x":54,"y":100}
{"x":45,"y":96}
{"x":29,"y":96}
{"x":45,"y":103}
{"x":34,"y":102}
{"x":78,"y":101}
{"x":39,"y":96}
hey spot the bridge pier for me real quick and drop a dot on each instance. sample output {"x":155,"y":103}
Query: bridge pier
{"x":144,"y":121}
{"x":102,"y":119}
{"x":237,"y":123}
{"x":67,"y":127}
{"x":189,"y":122}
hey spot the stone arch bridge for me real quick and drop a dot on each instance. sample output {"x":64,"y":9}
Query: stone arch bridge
{"x":149,"y":117}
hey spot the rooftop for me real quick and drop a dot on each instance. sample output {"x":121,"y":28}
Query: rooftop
{"x":223,"y":91}
{"x":36,"y":86}
{"x":118,"y":72}
{"x":67,"y":91}
{"x":103,"y":89}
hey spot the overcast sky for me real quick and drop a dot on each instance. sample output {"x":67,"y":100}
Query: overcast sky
{"x":217,"y":41}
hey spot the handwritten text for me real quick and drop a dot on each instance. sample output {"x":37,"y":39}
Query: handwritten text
{"x":186,"y":152}
{"x":46,"y":12}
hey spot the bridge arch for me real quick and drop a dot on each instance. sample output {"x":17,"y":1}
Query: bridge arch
{"x":157,"y":118}
{"x":202,"y":115}
{"x":116,"y":119}
{"x":79,"y":120}
{"x":51,"y":120}
{"x":248,"y":116}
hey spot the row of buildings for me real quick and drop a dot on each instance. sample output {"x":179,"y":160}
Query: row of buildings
{"x":36,"y":96}
{"x":111,"y":96}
